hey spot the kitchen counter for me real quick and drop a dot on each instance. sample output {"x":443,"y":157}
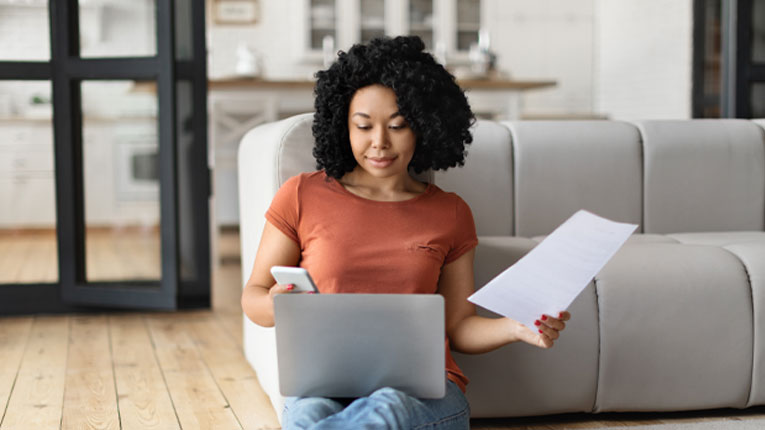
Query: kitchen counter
{"x":496,"y":97}
{"x":255,"y":83}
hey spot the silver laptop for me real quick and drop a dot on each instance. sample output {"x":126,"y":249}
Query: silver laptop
{"x":349,"y":345}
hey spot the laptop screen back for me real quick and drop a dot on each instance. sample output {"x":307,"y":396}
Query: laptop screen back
{"x":349,"y":345}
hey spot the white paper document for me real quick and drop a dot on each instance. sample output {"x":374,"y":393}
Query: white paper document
{"x":550,"y":276}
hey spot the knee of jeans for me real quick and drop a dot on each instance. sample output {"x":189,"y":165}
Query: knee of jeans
{"x":390,"y":393}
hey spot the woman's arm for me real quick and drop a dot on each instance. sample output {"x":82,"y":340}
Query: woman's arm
{"x":473,"y":334}
{"x":276,"y":249}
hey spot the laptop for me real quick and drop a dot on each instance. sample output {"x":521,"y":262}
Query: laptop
{"x":349,"y":345}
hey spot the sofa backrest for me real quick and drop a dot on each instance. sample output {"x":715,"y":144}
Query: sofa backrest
{"x":485,"y":182}
{"x":563,"y":166}
{"x":524,"y":178}
{"x":703,"y":175}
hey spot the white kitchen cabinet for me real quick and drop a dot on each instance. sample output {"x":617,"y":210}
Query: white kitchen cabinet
{"x":27,"y":185}
{"x":27,"y":178}
{"x":31,"y":200}
{"x":448,"y":27}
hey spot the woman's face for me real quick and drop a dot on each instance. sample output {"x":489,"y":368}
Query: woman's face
{"x":381,"y":140}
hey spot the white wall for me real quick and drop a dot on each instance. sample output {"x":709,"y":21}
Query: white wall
{"x":546,"y":39}
{"x":643,"y":57}
{"x":274,"y":37}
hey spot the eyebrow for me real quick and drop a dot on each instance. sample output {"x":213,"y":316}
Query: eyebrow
{"x":362,"y":114}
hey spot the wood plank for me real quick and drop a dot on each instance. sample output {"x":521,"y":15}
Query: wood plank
{"x":144,"y":401}
{"x":90,"y":401}
{"x":37,"y":258}
{"x":232,"y":324}
{"x":15,"y":255}
{"x":233,"y":373}
{"x":198,"y":401}
{"x":37,"y":398}
{"x":14,"y":334}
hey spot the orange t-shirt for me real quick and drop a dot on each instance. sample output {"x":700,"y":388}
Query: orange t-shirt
{"x":350,"y":244}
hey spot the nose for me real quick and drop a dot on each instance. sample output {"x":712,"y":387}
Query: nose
{"x":380,"y":138}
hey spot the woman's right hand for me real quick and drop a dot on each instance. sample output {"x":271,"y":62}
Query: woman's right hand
{"x":276,"y":249}
{"x":279,"y":289}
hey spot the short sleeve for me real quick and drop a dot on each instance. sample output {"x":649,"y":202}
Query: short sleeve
{"x":285,"y":208}
{"x":464,"y":238}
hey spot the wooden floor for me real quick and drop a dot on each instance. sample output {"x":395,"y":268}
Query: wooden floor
{"x":183,"y":370}
{"x":111,"y":254}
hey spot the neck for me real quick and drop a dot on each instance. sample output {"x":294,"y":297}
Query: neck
{"x":392,"y":188}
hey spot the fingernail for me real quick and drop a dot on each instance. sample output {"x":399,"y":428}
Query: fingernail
{"x":312,"y":292}
{"x":544,"y":317}
{"x":540,"y":332}
{"x":537,"y":323}
{"x":290,"y":287}
{"x":560,"y":315}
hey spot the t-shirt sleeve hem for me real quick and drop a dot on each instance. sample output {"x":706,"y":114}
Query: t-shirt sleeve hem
{"x":283,"y":226}
{"x":459,"y":252}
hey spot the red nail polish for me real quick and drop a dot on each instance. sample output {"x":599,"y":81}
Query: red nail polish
{"x":290,"y":287}
{"x":537,"y":323}
{"x":544,"y":317}
{"x":540,"y":332}
{"x":560,"y":315}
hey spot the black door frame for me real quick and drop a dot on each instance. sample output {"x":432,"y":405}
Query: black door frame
{"x":66,"y":70}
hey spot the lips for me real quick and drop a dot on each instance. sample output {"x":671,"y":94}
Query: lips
{"x":381,"y":162}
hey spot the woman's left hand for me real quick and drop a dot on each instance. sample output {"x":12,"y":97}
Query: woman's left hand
{"x":548,"y":330}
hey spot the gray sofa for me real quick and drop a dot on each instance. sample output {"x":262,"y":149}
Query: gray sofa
{"x":676,"y":321}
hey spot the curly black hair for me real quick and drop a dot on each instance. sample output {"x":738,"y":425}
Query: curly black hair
{"x":427,"y":96}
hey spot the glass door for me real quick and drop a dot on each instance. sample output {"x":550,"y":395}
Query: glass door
{"x":112,"y":207}
{"x":757,"y":54}
{"x":729,"y":59}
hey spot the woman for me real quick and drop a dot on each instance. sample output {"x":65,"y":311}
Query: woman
{"x":363,"y":224}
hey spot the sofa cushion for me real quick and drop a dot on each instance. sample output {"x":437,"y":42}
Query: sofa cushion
{"x":675,"y":329}
{"x":752,"y":255}
{"x":703,"y":175}
{"x":520,"y":379}
{"x":720,"y":238}
{"x":635,"y":238}
{"x":564,"y":166}
{"x":485,"y":182}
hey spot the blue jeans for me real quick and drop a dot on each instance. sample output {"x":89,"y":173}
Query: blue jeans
{"x":386,"y":408}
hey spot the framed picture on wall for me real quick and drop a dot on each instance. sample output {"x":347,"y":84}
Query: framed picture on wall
{"x":236,"y":11}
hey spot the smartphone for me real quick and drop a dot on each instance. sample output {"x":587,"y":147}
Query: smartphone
{"x":296,"y":276}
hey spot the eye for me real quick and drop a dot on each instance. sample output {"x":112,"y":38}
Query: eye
{"x":398,"y":126}
{"x":363,"y":126}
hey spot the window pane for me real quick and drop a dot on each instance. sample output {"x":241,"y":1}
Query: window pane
{"x":758,"y":31}
{"x":758,"y":100}
{"x":188,"y":219}
{"x":28,"y":245}
{"x":184,"y":30}
{"x":121,"y":180}
{"x":468,"y":23}
{"x":24,"y":31}
{"x":712,"y":66}
{"x":372,"y":19}
{"x":118,"y":29}
{"x":323,"y":24}
{"x":421,"y":20}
